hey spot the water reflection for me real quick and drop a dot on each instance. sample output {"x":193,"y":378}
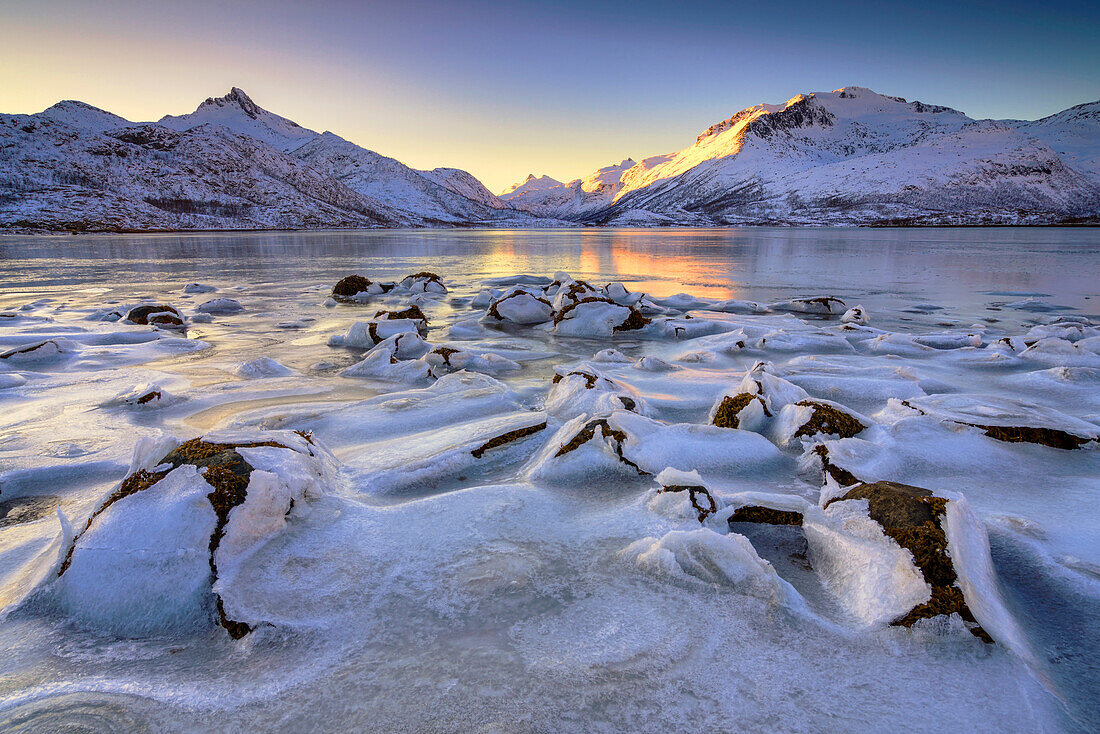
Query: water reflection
{"x":954,"y":267}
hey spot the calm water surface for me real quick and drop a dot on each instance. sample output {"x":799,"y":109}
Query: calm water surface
{"x":970,"y":273}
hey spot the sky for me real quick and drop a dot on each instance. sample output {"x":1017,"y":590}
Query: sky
{"x":503,"y":89}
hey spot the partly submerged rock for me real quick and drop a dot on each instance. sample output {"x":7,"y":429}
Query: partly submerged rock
{"x":155,"y":314}
{"x":1007,"y":420}
{"x":222,"y":306}
{"x":157,"y":552}
{"x":912,"y":517}
{"x":815,"y":417}
{"x":423,"y":282}
{"x":674,"y":481}
{"x":519,"y":306}
{"x":350,"y":286}
{"x":823,"y":305}
{"x":597,"y":316}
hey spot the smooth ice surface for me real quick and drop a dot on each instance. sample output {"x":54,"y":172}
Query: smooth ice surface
{"x":450,"y":568}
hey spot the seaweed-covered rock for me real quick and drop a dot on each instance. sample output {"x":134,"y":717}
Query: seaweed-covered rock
{"x":366,"y":334}
{"x":412,"y":313}
{"x":572,"y":291}
{"x":1007,"y":420}
{"x":913,"y":517}
{"x":822,"y":305}
{"x":519,"y":306}
{"x":673,"y":481}
{"x":155,"y":314}
{"x":765,"y":515}
{"x":597,"y":316}
{"x":351,"y":285}
{"x":423,"y":282}
{"x":856,"y":315}
{"x":742,"y":410}
{"x":583,"y":390}
{"x":40,"y":351}
{"x":815,"y":417}
{"x":507,"y":438}
{"x":160,"y":551}
{"x":759,"y":396}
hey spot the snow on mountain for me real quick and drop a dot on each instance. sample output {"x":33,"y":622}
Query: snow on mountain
{"x":851,"y":156}
{"x":60,"y":177}
{"x":546,"y":197}
{"x":391,"y":181}
{"x":240,"y":114}
{"x":230,"y":164}
{"x":854,"y":157}
{"x":463,"y":184}
{"x":531,"y":184}
{"x":82,"y":116}
{"x":1074,"y":134}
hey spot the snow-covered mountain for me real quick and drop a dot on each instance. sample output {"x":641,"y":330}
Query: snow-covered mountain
{"x":412,"y":193}
{"x":237,"y":112}
{"x":853,"y":156}
{"x":578,"y":198}
{"x":1073,"y":134}
{"x":228,"y":165}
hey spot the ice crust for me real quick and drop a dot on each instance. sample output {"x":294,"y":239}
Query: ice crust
{"x":450,"y":554}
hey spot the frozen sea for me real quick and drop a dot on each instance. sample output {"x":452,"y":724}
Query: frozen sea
{"x":419,"y":586}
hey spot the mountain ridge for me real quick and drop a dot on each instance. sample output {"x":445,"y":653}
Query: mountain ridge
{"x":850,"y":156}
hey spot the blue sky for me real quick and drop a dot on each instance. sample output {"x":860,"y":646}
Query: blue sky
{"x":503,"y":89}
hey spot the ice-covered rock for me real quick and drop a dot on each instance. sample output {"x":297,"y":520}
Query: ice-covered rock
{"x":884,"y":551}
{"x":596,"y":317}
{"x":159,"y":553}
{"x":199,"y":288}
{"x":822,"y":305}
{"x":583,"y":390}
{"x":148,"y":395}
{"x":1004,"y":419}
{"x":423,"y":282}
{"x":812,"y":417}
{"x":46,"y":350}
{"x":382,"y":363}
{"x":519,"y":306}
{"x":220,"y":306}
{"x":573,"y":291}
{"x":856,"y":315}
{"x":261,"y":367}
{"x":155,"y":314}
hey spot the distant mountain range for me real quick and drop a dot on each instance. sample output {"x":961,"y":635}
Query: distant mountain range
{"x":848,"y":157}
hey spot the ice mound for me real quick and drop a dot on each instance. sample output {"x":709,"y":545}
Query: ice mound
{"x":384,"y":363}
{"x":703,"y":556}
{"x":148,"y":395}
{"x":1007,"y":420}
{"x":583,"y":390}
{"x":822,"y":305}
{"x":445,"y":358}
{"x":423,"y":282}
{"x":856,"y":315}
{"x":519,"y":306}
{"x":366,"y":334}
{"x":899,"y":554}
{"x":220,"y":306}
{"x":262,"y":367}
{"x":47,"y":350}
{"x":199,"y":288}
{"x":815,"y":417}
{"x":632,"y":445}
{"x":682,"y":494}
{"x":596,"y":317}
{"x":159,"y":553}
